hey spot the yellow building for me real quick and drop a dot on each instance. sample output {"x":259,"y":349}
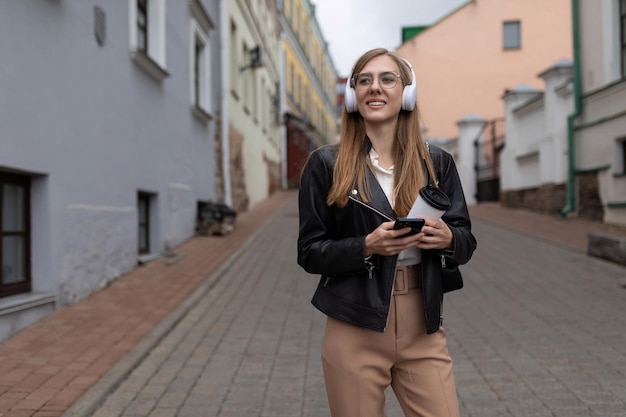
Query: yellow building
{"x":308,"y":96}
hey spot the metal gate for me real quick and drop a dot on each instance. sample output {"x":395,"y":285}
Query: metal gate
{"x":488,"y":145}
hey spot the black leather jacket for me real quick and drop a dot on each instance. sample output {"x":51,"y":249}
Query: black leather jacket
{"x":331,"y":243}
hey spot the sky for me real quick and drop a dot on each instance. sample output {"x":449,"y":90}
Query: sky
{"x":352,"y":27}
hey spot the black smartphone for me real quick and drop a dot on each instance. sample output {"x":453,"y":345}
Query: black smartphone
{"x":414,"y":223}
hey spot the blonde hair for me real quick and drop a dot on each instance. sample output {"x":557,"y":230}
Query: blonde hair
{"x":409,"y":151}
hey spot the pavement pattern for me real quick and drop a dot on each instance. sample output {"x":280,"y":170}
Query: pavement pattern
{"x":538,"y":330}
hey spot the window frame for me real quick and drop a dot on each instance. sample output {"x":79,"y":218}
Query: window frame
{"x":506,"y":45}
{"x":142,"y":28}
{"x":200,"y":53}
{"x":151,"y":57}
{"x":24,"y":286}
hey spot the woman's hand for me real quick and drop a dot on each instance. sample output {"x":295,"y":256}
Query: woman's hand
{"x":384,"y":240}
{"x":435,"y":235}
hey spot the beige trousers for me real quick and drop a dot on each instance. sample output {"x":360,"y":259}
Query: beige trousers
{"x":359,"y":364}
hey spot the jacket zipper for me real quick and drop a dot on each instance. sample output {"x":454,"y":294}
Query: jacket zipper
{"x":370,"y":268}
{"x":371,"y":208}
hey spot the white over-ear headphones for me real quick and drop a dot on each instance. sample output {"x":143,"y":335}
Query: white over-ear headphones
{"x":409,"y":93}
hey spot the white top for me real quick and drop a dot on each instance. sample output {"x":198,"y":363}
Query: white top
{"x":410,"y":256}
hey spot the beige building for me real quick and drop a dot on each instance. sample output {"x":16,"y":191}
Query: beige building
{"x":251,"y":66}
{"x":465,"y":61}
{"x":598,"y":152}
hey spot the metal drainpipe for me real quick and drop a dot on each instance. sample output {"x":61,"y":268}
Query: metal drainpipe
{"x":225,"y":85}
{"x":571,"y":177}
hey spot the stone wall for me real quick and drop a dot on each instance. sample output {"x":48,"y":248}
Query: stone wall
{"x":547,"y":199}
{"x":589,"y":205}
{"x":240,"y":199}
{"x":274,"y":175}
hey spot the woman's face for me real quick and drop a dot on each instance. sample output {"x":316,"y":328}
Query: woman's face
{"x":377,"y":102}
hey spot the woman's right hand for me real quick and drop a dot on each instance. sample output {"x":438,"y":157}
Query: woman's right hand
{"x":384,"y":240}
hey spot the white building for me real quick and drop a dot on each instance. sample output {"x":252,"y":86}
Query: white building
{"x":598,"y":130}
{"x":250,"y":94}
{"x":534,"y":161}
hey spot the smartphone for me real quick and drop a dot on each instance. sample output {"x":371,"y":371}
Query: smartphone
{"x":414,"y":223}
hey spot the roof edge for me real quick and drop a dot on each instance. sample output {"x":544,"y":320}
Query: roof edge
{"x":441,"y":19}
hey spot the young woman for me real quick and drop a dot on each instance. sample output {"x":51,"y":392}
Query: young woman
{"x":382,"y":289}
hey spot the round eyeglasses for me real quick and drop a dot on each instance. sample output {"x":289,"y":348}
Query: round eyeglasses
{"x":386,"y":80}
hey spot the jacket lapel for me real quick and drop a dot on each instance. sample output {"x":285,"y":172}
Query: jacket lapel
{"x":379,"y":199}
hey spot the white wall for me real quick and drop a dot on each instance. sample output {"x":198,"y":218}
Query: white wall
{"x":601,"y":127}
{"x":536,"y":131}
{"x":250,"y":101}
{"x":470,"y":129}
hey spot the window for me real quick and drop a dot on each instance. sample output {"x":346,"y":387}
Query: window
{"x":511,"y":35}
{"x":246,"y":79}
{"x":147,"y":36}
{"x":143,"y":215}
{"x":622,"y":30}
{"x":14,"y":234}
{"x":198,"y":70}
{"x":292,"y":87}
{"x":200,"y":57}
{"x":620,"y":156}
{"x":234,"y":61}
{"x":142,"y":25}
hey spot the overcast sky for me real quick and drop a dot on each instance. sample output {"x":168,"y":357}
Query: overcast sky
{"x":352,"y":27}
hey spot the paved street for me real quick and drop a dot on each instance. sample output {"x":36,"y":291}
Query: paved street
{"x":538,"y":330}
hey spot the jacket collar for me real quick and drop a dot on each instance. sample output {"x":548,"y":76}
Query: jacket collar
{"x":378,"y":198}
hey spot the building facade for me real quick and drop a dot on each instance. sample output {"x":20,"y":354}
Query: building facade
{"x":308,"y":96}
{"x":252,"y":160}
{"x":119,"y":121}
{"x":534,"y":162}
{"x":464,"y":62}
{"x":597,"y":186}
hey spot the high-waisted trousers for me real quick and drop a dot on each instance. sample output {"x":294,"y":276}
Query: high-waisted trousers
{"x":359,"y":364}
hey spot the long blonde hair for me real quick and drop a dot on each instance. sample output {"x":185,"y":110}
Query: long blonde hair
{"x":409,"y":150}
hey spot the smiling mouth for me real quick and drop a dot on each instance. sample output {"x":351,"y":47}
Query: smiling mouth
{"x":375,"y":103}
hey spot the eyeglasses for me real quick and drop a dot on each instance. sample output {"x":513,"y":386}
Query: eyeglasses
{"x":364,"y":80}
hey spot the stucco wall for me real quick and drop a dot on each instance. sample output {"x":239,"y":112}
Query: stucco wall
{"x":460,"y":64}
{"x":93,"y":128}
{"x":254,"y":135}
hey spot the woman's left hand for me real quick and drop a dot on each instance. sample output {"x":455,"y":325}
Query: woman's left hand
{"x":435,"y":235}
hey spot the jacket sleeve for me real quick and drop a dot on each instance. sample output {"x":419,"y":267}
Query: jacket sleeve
{"x":457,"y":217}
{"x":320,"y":251}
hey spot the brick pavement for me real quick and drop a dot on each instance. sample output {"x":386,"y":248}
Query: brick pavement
{"x":537,"y":331}
{"x":249,"y":347}
{"x":570,"y":232}
{"x":45,"y":368}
